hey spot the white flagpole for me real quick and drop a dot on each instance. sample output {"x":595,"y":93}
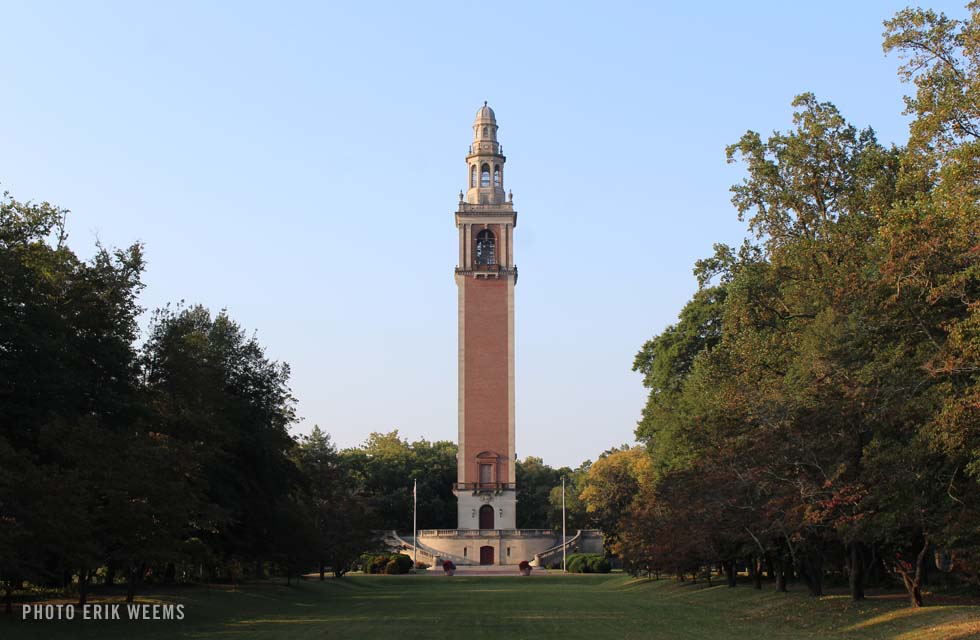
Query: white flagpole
{"x":563,"y":548}
{"x":415,"y":523}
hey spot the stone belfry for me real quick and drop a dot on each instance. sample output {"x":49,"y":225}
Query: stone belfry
{"x":485,"y":279}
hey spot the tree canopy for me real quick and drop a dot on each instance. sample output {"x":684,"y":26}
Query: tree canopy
{"x":817,"y":399}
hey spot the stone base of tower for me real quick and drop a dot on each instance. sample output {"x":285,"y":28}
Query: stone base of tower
{"x":486,"y":510}
{"x":469,"y":547}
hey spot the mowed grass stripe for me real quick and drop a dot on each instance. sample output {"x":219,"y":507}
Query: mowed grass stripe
{"x":555,"y":606}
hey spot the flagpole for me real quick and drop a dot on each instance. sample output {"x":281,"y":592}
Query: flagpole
{"x":415,"y":524}
{"x":563,"y":547}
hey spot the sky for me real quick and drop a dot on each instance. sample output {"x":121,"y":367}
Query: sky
{"x":298,"y":164}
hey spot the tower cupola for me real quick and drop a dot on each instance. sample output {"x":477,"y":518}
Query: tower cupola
{"x":485,"y":162}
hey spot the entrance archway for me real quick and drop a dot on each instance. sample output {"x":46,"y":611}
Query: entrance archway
{"x":486,"y":517}
{"x":486,"y":555}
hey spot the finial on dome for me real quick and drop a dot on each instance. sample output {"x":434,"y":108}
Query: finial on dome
{"x":486,"y":114}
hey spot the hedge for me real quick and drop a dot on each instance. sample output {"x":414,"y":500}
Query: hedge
{"x":587,"y":563}
{"x":391,"y":563}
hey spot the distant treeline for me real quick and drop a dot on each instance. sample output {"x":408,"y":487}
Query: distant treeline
{"x":816,"y":408}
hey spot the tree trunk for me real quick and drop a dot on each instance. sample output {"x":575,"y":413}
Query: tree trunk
{"x":780,"y":568}
{"x":8,"y":599}
{"x":323,"y":570}
{"x":913,"y":583}
{"x":874,"y":569}
{"x":816,"y":576}
{"x":730,"y":573}
{"x":170,"y":573}
{"x":757,"y":573}
{"x":915,"y":591}
{"x":811,"y":570}
{"x":133,"y":579}
{"x":110,"y":574}
{"x":83,"y":578}
{"x":856,"y":573}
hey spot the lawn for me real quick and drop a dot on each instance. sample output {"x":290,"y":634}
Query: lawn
{"x":554,"y":606}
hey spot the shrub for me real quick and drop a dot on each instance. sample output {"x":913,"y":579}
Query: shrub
{"x":364,"y":562}
{"x":575,"y":563}
{"x":403,"y":562}
{"x":587,"y":563}
{"x":599,"y":564}
{"x":376,"y":563}
{"x":392,"y":567}
{"x":421,"y":565}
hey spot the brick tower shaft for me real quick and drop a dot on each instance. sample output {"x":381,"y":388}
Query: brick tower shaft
{"x":485,"y":279}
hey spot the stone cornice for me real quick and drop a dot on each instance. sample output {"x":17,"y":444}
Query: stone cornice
{"x":470,"y":208}
{"x":486,"y":214}
{"x":489,"y":271}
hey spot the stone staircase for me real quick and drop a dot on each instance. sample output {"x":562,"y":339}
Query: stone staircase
{"x":554,"y":554}
{"x":432,"y":557}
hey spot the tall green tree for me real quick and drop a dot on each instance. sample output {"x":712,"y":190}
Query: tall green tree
{"x":67,"y":392}
{"x":212,"y":388}
{"x":535,"y":481}
{"x":388,"y":466}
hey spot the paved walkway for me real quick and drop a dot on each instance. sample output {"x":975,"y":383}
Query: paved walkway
{"x":486,"y":570}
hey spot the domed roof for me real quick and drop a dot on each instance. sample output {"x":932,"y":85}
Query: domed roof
{"x":485,"y":113}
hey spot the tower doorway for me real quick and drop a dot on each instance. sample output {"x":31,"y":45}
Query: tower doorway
{"x":486,"y":555}
{"x":486,"y":522}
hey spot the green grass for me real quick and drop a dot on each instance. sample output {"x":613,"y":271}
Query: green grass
{"x":554,"y":606}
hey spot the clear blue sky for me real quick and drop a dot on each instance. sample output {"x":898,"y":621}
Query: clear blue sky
{"x":299,"y":163}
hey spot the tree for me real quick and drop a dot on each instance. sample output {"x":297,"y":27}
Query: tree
{"x":776,"y":392}
{"x":213,"y":390}
{"x":536,"y":481}
{"x":67,"y":387}
{"x":387,"y":468}
{"x":611,"y":487}
{"x":576,"y":516}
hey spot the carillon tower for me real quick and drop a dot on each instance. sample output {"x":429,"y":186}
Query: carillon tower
{"x":485,"y":279}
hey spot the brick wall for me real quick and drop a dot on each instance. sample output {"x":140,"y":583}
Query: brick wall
{"x":486,"y":368}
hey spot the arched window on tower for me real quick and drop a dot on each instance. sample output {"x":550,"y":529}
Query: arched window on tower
{"x":485,"y":175}
{"x":485,"y":131}
{"x":496,"y":175}
{"x":473,"y":176}
{"x":485,"y":248}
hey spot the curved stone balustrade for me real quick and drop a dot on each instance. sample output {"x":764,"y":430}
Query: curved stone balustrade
{"x":487,"y":533}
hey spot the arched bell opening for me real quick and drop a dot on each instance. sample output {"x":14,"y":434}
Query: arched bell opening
{"x":486,"y":246}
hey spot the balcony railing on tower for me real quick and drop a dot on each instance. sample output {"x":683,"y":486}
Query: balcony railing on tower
{"x":478,"y":487}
